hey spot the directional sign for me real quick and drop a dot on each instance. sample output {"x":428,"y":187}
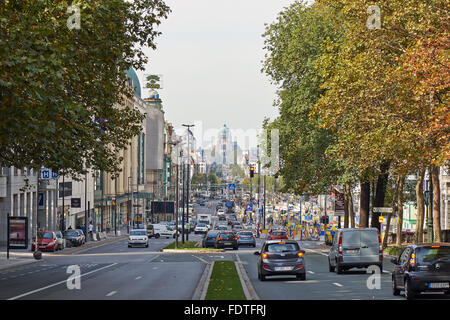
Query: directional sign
{"x":249,"y":207}
{"x":55,"y":175}
{"x":231,"y":187}
{"x":382,"y":209}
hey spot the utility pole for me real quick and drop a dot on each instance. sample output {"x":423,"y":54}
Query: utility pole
{"x":85,"y":208}
{"x":183,"y":201}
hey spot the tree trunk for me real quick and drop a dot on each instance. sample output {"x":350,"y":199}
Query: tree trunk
{"x":436,"y":204}
{"x":346,"y":212}
{"x":394,"y":210}
{"x":351,"y":212}
{"x":364,"y":205}
{"x":420,"y":206}
{"x":380,"y":194}
{"x":400,"y":211}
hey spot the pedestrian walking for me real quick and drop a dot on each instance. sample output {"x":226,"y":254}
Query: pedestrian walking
{"x":91,"y":228}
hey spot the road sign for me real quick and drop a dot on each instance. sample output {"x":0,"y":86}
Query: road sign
{"x":382,"y":209}
{"x":231,"y":187}
{"x":381,"y":219}
{"x":45,"y":174}
{"x":249,"y":207}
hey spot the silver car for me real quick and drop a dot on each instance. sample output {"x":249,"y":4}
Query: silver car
{"x":138,"y":237}
{"x":355,"y":248}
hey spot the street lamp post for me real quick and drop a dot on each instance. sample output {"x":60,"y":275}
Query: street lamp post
{"x":188,"y":171}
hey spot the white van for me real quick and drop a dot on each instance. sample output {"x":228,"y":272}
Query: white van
{"x":163,"y":230}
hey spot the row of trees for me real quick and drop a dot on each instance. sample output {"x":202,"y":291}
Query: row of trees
{"x":61,"y":83}
{"x":363,"y":99}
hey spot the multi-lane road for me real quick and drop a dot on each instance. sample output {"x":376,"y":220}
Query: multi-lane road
{"x":114,"y":271}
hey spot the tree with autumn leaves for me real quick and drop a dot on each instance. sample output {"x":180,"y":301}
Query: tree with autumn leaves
{"x":383,"y":96}
{"x":62,"y":89}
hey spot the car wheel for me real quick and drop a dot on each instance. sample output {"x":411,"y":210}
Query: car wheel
{"x":338,"y":269}
{"x":146,"y":245}
{"x":301,"y":276}
{"x":409,"y":293}
{"x":395,"y":291}
{"x":330,"y":267}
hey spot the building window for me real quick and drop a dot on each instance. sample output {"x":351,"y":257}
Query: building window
{"x":65,"y":189}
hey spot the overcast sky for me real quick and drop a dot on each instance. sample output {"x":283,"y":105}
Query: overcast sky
{"x":210,"y":55}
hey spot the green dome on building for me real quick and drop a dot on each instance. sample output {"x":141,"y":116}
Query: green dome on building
{"x":132,"y":76}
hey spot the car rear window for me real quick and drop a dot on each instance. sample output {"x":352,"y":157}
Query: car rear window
{"x":245,"y":234}
{"x":227,"y":236}
{"x":45,"y":235}
{"x":351,"y":237}
{"x":430,"y":255}
{"x":279,"y":233}
{"x":281,"y":247}
{"x":138,"y":233}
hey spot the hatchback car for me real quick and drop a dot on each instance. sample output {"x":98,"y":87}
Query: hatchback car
{"x":226,"y":240}
{"x":355,"y":248}
{"x":281,"y":257}
{"x":138,"y":237}
{"x":46,"y":241}
{"x":278,"y":235}
{"x":422,"y":268}
{"x":246,"y":238}
{"x":72,"y":237}
{"x":209,"y":240}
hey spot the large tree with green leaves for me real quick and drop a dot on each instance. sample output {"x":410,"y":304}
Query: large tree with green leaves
{"x":294,"y":43}
{"x":62,"y":89}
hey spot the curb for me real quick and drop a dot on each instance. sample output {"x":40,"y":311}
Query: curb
{"x":249,"y":290}
{"x":19,"y":264}
{"x":191,"y":251}
{"x":95,"y":244}
{"x":202,"y":287}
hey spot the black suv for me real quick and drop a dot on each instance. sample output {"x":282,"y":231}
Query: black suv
{"x":422,"y":268}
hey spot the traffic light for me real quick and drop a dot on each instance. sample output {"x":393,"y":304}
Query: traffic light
{"x":252,"y":171}
{"x":325,"y":220}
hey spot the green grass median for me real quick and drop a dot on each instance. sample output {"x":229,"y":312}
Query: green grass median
{"x":225,"y":283}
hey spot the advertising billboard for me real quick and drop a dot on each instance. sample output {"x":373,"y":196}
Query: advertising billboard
{"x":17,"y":232}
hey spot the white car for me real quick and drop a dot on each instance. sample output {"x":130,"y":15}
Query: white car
{"x":138,"y":237}
{"x":162,"y":230}
{"x":201,"y":228}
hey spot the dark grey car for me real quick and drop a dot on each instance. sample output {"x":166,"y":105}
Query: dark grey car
{"x":226,"y":240}
{"x":422,"y":268}
{"x":281,"y":257}
{"x":209,"y":240}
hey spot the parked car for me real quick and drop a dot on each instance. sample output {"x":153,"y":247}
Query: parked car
{"x":73,"y":238}
{"x":83,"y":237}
{"x":209,"y":240}
{"x":422,"y":268}
{"x":278,"y":235}
{"x":201,"y":228}
{"x":226,"y":240}
{"x":61,"y":240}
{"x":46,"y":241}
{"x":138,"y":237}
{"x":358,"y":248}
{"x":246,"y":238}
{"x":281,"y":257}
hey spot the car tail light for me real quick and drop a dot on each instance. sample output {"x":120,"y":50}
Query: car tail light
{"x":381,"y":245}
{"x":253,"y":237}
{"x":266,"y":267}
{"x":435,"y":246}
{"x":300,"y":254}
{"x":300,"y":266}
{"x":264,"y":256}
{"x":340,"y":244}
{"x":412,"y":261}
{"x":236,"y":238}
{"x":219,"y":239}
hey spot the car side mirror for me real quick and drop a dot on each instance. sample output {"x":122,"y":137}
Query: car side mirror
{"x":394,"y":260}
{"x":256,"y":253}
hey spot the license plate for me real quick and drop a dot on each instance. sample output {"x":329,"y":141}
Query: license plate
{"x":439,"y":285}
{"x":351,"y":251}
{"x":283,"y":268}
{"x":228,"y":243}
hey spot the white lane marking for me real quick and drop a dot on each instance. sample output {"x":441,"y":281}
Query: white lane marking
{"x":58,"y":283}
{"x":111,"y":293}
{"x":137,"y":278}
{"x":311,"y":272}
{"x":338,"y":284}
{"x":384,"y":271}
{"x":202,"y":260}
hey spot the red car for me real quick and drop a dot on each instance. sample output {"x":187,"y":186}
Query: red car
{"x":47,"y":241}
{"x":278,"y":235}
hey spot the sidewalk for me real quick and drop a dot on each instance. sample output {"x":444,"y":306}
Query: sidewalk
{"x":22,"y":257}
